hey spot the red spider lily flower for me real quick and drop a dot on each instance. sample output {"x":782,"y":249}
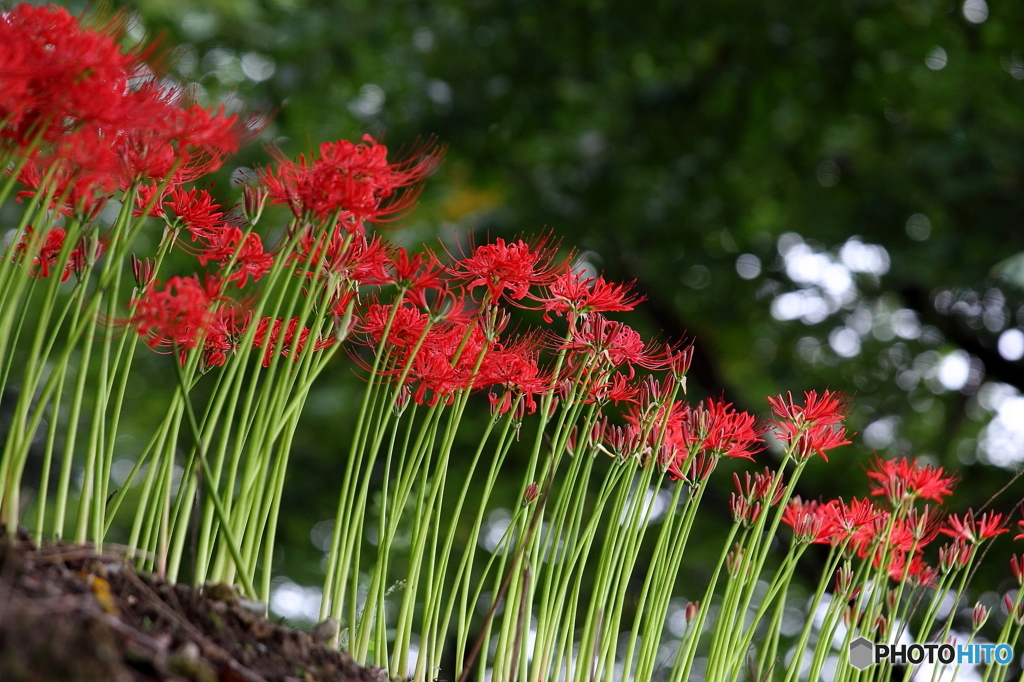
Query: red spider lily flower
{"x":918,"y":571}
{"x":574,"y":294}
{"x":678,"y":361}
{"x":623,"y":442}
{"x":715,"y":426}
{"x":357,"y":260}
{"x":48,"y":253}
{"x":955,"y":555}
{"x":923,"y":524}
{"x":514,"y":367}
{"x":412,"y":270}
{"x":712,"y":429}
{"x":224,"y":333}
{"x":828,"y":408}
{"x":618,"y":390}
{"x":513,"y":267}
{"x":743,"y":510}
{"x":978,"y":616}
{"x":988,"y":525}
{"x":58,"y":75}
{"x":75,"y":189}
{"x":1020,"y":527}
{"x":146,"y":134}
{"x":848,"y":518}
{"x":161,"y":135}
{"x":1017,"y":568}
{"x":903,"y":479}
{"x":613,"y":344}
{"x":407,"y":327}
{"x":754,"y":495}
{"x":354,"y":180}
{"x":197,"y":211}
{"x":761,"y":487}
{"x":416,"y":274}
{"x":179,"y":315}
{"x":226,"y":245}
{"x":812,"y":428}
{"x":809,"y":521}
{"x":269,"y":337}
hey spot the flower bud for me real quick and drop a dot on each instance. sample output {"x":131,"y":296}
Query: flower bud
{"x":253,"y":201}
{"x":979,"y":616}
{"x":530,"y":494}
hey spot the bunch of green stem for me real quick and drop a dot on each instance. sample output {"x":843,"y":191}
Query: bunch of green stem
{"x":235,"y":467}
{"x":59,"y":362}
{"x":866,"y":601}
{"x":70,"y":368}
{"x":561,"y":571}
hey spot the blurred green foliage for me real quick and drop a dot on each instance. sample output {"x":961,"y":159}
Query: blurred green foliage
{"x":820,"y":194}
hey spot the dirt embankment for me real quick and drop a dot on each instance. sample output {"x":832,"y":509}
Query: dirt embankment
{"x":68,"y":614}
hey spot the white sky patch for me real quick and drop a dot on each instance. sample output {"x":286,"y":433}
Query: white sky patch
{"x":1011,"y":344}
{"x":1001,"y":442}
{"x":295,"y":602}
{"x":845,"y":342}
{"x":975,"y":11}
{"x":748,"y":266}
{"x":826,"y":281}
{"x":936,"y":59}
{"x":954,"y":370}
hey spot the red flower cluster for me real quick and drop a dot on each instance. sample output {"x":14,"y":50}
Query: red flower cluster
{"x":48,"y":253}
{"x":513,"y":267}
{"x":178,"y":315}
{"x":354,"y":181}
{"x":902,"y":479}
{"x":812,"y":428}
{"x":572,"y":294}
{"x":96,"y":116}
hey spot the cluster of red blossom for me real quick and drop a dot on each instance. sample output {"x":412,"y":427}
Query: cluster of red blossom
{"x":895,"y":535}
{"x":446,"y":320}
{"x":93,"y":118}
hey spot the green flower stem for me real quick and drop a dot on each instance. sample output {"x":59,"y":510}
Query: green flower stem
{"x":596,"y":616}
{"x":562,"y":430}
{"x":18,"y":441}
{"x":688,"y":649}
{"x":559,"y":545}
{"x":862,"y":578}
{"x":122,"y":363}
{"x":172,"y":419}
{"x":835,"y":555}
{"x":504,"y":545}
{"x":463,"y":577}
{"x":115,"y":503}
{"x":1008,"y":634}
{"x":354,"y":512}
{"x":626,"y":557}
{"x":432,"y":608}
{"x":406,"y":613}
{"x":275,"y":509}
{"x":823,"y":646}
{"x":576,"y":570}
{"x":331,"y":582}
{"x":200,"y":450}
{"x":97,"y":434}
{"x":380,"y":571}
{"x":780,"y":581}
{"x":51,"y":433}
{"x":754,"y":556}
{"x":17,"y":446}
{"x":649,"y":623}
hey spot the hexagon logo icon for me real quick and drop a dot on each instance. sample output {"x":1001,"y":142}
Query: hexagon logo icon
{"x":862,"y":653}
